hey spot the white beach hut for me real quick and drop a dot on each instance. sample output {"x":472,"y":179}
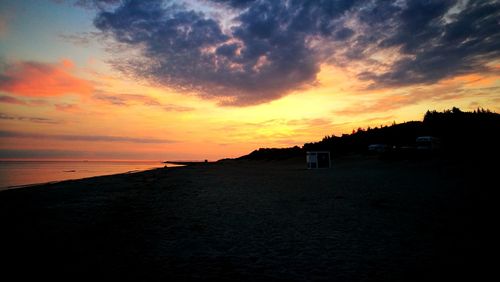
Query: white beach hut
{"x":318,"y":159}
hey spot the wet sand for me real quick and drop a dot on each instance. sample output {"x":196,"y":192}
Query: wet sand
{"x":362,"y":220}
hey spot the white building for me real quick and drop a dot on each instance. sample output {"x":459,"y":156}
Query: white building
{"x":318,"y":159}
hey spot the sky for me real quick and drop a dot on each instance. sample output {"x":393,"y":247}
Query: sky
{"x":212,"y":79}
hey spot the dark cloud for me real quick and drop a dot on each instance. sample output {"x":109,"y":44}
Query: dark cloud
{"x":11,"y":100}
{"x":263,"y":58}
{"x":97,"y":2}
{"x":343,"y":34}
{"x":235,"y":3}
{"x":133,"y":99}
{"x":30,"y":102}
{"x":29,"y":119}
{"x":274,"y":47}
{"x":90,"y":138}
{"x":436,"y":44}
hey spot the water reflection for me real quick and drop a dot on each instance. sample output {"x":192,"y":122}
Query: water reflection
{"x":14,"y":173}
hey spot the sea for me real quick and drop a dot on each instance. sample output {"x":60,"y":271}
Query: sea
{"x":20,"y":173}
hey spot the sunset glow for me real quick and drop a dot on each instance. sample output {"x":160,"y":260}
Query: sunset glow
{"x":83,"y":80}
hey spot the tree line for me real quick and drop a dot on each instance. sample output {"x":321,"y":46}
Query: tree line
{"x":462,"y":134}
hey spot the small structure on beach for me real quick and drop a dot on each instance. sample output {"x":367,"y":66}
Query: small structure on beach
{"x":318,"y":159}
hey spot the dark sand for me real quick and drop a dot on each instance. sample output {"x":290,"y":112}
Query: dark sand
{"x":362,"y":220}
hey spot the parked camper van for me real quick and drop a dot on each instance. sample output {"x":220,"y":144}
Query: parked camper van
{"x":378,"y":148}
{"x":428,"y":143}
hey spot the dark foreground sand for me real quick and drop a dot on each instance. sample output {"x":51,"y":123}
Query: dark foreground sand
{"x":362,"y":220}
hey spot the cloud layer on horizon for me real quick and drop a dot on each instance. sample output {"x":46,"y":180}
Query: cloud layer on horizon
{"x":271,"y":48}
{"x":89,"y":138}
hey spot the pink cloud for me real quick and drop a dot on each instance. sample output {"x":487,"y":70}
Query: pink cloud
{"x":36,"y":79}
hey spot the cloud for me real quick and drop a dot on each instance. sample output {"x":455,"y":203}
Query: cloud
{"x":310,"y":122}
{"x":133,"y":99}
{"x":29,"y":119}
{"x":23,"y":154}
{"x":96,"y":4}
{"x":64,"y":107}
{"x":175,"y":108}
{"x":263,"y":58}
{"x":381,"y":105}
{"x":80,"y":39}
{"x":16,"y":101}
{"x":235,"y":3}
{"x":11,"y":100}
{"x":268,"y":49}
{"x":90,"y":138}
{"x":436,"y":40}
{"x":37,"y":79}
{"x":86,"y":155}
{"x":126,"y":99}
{"x":444,"y":91}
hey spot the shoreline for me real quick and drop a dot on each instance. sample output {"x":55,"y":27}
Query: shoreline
{"x":182,"y":163}
{"x":16,"y":175}
{"x":76,"y":179}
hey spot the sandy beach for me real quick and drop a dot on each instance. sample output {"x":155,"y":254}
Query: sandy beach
{"x":364,"y":219}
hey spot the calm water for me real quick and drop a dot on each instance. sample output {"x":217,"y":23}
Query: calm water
{"x":14,"y":173}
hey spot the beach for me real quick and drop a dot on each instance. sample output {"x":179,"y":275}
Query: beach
{"x":365,"y":219}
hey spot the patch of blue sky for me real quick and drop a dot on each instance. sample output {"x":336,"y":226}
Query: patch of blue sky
{"x":36,"y":30}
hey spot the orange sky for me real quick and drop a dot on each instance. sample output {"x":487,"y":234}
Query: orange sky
{"x":73,"y":104}
{"x":189,"y":127}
